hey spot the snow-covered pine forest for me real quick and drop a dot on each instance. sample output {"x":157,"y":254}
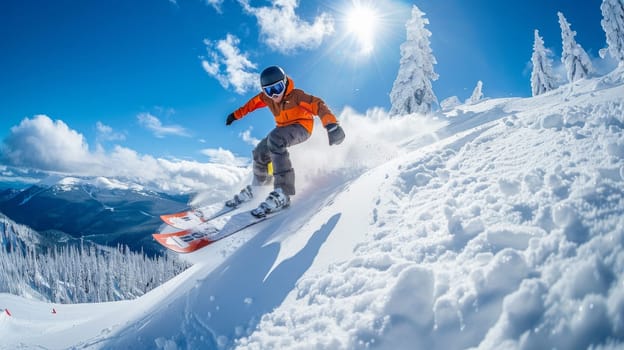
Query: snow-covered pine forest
{"x":77,"y":273}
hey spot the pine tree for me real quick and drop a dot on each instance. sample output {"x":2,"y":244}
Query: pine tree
{"x":574,"y":58}
{"x":477,"y":93}
{"x":613,"y":25}
{"x":412,"y":91}
{"x":542,"y":77}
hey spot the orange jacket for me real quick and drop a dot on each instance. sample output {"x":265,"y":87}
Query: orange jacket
{"x":296,"y":107}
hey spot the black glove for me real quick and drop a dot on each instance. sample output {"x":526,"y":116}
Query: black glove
{"x":230,"y":119}
{"x":335,"y":134}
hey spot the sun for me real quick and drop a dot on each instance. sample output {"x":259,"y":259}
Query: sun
{"x":361,"y":23}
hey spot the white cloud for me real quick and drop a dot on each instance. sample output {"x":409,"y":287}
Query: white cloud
{"x":154,"y":124}
{"x":216,"y":4}
{"x":106,"y":133}
{"x":46,"y":144}
{"x":284,"y":31}
{"x":223,"y":156}
{"x":43,"y":144}
{"x":229,"y":66}
{"x":220,"y":179}
{"x":246,"y":136}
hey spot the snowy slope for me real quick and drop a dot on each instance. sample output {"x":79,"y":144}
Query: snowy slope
{"x":505,"y":230}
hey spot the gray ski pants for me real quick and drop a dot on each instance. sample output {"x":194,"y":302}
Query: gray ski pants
{"x":274,"y":148}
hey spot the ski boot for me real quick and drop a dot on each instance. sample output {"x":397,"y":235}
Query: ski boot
{"x":245,"y":195}
{"x":276,"y":201}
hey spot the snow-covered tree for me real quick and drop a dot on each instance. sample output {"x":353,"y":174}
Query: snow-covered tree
{"x":574,"y":58}
{"x":412,"y":91}
{"x":449,"y":103}
{"x":477,"y":93}
{"x":613,"y":25}
{"x":542,"y":77}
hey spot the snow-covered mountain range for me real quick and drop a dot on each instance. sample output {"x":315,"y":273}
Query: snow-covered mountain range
{"x":502,"y":230}
{"x":103,"y":210}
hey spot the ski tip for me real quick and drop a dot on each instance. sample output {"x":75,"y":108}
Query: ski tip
{"x":185,"y":241}
{"x":168,"y":217}
{"x":183,"y":220}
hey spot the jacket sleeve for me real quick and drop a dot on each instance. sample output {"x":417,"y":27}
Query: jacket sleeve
{"x":318,"y":107}
{"x":251,"y":105}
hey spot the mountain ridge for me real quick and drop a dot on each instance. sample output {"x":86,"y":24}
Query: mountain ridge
{"x":106,"y":211}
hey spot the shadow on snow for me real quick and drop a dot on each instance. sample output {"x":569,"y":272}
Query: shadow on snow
{"x":230,"y":301}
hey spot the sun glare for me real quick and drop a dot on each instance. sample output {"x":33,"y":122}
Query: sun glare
{"x":361,"y":23}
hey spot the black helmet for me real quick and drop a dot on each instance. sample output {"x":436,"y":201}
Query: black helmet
{"x":271,"y":75}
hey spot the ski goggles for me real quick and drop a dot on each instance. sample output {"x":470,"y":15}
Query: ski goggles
{"x":274,"y":89}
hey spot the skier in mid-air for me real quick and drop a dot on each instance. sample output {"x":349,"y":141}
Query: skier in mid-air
{"x":294,"y":111}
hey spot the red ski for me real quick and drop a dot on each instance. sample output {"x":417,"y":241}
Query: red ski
{"x":184,"y":241}
{"x":190,"y":240}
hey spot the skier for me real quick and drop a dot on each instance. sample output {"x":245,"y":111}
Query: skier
{"x":294,"y":111}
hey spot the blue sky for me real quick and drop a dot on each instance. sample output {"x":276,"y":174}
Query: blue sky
{"x":137,"y":74}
